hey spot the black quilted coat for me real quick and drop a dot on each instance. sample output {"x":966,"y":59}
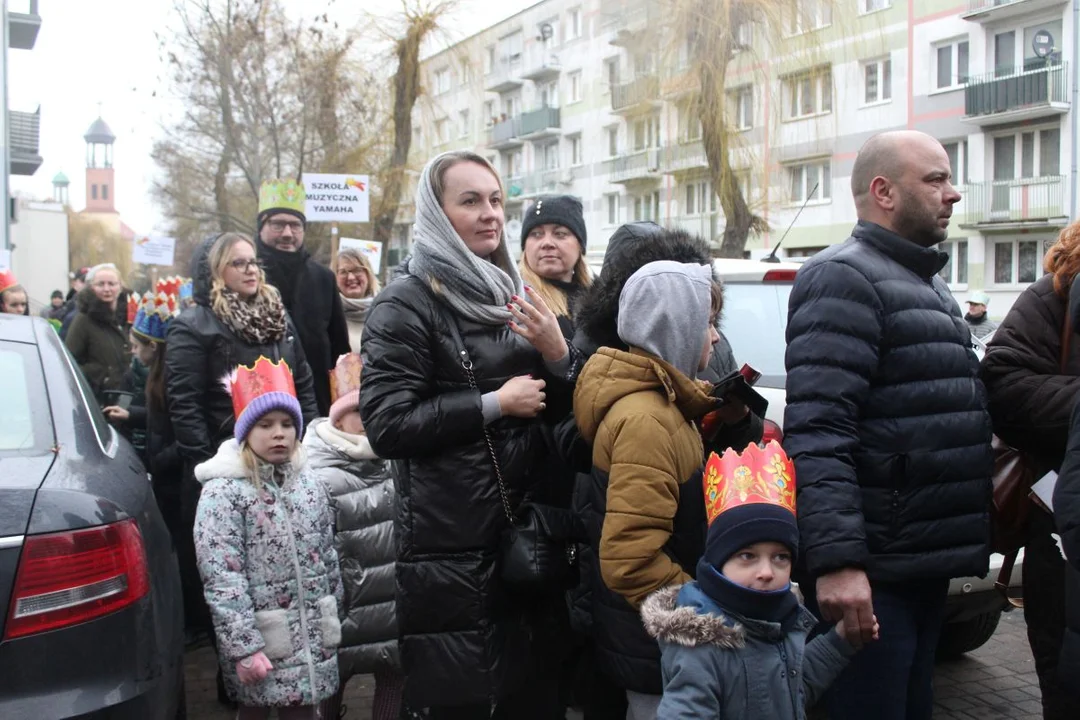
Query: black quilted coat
{"x":463,"y":634}
{"x":886,"y":418}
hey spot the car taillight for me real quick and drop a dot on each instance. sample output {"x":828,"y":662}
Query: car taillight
{"x":779,"y":276}
{"x":67,"y":578}
{"x":772,"y":432}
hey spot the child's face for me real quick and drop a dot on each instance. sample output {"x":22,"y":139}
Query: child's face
{"x":351,"y":423}
{"x":141,"y":349}
{"x":711,"y":338}
{"x":762,"y":566}
{"x":274,"y":437}
{"x":13,"y":302}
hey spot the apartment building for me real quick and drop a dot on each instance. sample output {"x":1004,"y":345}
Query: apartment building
{"x":575,"y":96}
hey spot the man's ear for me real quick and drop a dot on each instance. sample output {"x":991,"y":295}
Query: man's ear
{"x":881,"y":192}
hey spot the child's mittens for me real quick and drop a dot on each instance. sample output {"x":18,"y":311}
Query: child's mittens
{"x":253,"y":668}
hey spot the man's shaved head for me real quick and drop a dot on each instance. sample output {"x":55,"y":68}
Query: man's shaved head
{"x":882,"y":155}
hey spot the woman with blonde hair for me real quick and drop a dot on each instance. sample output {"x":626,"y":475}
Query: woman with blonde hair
{"x":237,"y":318}
{"x":1032,"y":377}
{"x":553,"y":239}
{"x":358,"y":287}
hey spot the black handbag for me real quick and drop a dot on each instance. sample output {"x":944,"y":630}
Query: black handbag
{"x":538,"y":549}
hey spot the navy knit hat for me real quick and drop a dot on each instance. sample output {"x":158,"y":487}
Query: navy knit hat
{"x":562,"y":210}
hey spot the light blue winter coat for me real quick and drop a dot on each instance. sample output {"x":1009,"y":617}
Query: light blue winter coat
{"x":271,"y":577}
{"x":720,"y":666}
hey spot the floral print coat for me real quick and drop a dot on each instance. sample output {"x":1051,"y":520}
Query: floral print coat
{"x":271,"y":577}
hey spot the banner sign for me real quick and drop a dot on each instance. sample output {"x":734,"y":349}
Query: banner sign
{"x":371,"y":249}
{"x":153,"y":250}
{"x":336,"y":198}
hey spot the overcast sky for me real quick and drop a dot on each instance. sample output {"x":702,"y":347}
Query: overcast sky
{"x":104,"y":51}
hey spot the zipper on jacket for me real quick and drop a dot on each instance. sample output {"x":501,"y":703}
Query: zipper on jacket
{"x":299,"y":589}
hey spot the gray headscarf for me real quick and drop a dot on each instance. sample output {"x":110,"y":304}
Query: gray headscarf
{"x":473,"y":287}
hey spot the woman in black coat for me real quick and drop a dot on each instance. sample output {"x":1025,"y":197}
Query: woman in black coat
{"x":236,"y":319}
{"x":465,"y":637}
{"x":98,"y":338}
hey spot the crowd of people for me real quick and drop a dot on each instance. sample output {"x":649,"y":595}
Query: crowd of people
{"x":509,"y":488}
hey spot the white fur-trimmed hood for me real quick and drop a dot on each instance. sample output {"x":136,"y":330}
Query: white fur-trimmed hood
{"x":667,"y":622}
{"x":227,"y":463}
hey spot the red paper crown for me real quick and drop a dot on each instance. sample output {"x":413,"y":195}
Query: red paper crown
{"x":265,"y":376}
{"x":756,"y":475}
{"x":134,"y":300}
{"x":345,"y":377}
{"x":7,"y":280}
{"x":169,"y":286}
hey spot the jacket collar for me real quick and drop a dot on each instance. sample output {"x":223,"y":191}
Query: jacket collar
{"x":924,"y":262}
{"x":691,"y":396}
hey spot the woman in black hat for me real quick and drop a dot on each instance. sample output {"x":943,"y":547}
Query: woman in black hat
{"x":552,"y":262}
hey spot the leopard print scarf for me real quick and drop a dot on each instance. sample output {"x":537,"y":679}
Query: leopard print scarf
{"x":258,"y":322}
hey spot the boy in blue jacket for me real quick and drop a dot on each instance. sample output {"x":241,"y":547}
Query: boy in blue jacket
{"x":733,"y":642}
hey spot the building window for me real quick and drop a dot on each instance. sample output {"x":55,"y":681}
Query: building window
{"x":811,"y":181}
{"x":804,"y":16}
{"x":93,"y":192}
{"x":647,"y":133}
{"x":551,"y":156}
{"x":575,"y":86}
{"x":955,"y":271}
{"x":1039,"y":151}
{"x":489,"y":113}
{"x":647,"y":207}
{"x":489,"y":59}
{"x":442,"y":131}
{"x":808,"y":94}
{"x":1016,"y":261}
{"x":958,"y":161}
{"x":877,"y":81}
{"x":869,"y":6}
{"x":951,"y":64}
{"x":576,"y":157}
{"x":104,"y":192}
{"x":611,"y":73}
{"x":744,"y":35}
{"x":463,"y":120}
{"x":612,"y":202}
{"x":700,"y":198}
{"x":442,"y":81}
{"x":612,"y":141}
{"x":574,"y":21}
{"x":466,"y":73}
{"x":742,"y":107}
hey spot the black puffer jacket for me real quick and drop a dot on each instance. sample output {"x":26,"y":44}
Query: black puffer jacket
{"x":463,"y":635}
{"x":886,"y":418}
{"x":1031,"y":400}
{"x":200,"y":351}
{"x":310,"y":294}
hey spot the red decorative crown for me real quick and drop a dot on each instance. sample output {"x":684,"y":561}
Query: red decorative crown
{"x":7,"y":280}
{"x":169,"y":286}
{"x":345,"y":377}
{"x":757,"y":475}
{"x":134,"y":301}
{"x":265,"y":376}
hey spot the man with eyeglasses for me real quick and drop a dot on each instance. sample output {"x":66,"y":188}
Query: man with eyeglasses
{"x":308,"y":289}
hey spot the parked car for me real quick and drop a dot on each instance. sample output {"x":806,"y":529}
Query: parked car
{"x":754,"y":322}
{"x":92,"y":623}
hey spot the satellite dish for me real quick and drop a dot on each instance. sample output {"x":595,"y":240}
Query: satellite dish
{"x":546,"y":31}
{"x":1043,"y":43}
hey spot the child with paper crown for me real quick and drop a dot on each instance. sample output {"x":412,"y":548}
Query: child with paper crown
{"x":733,"y":642}
{"x":363,"y":500}
{"x":12,"y":295}
{"x":265,"y":548}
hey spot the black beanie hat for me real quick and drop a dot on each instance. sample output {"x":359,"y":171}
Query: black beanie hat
{"x":562,"y":210}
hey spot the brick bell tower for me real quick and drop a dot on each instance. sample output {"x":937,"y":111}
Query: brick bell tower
{"x":100,"y":176}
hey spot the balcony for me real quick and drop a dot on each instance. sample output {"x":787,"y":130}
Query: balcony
{"x":643,"y":93}
{"x":505,"y":76}
{"x":642,"y":165}
{"x":506,"y":134}
{"x":1037,"y":202}
{"x":683,"y":157}
{"x":628,"y":19}
{"x":706,"y":225}
{"x":546,"y":182}
{"x":1026,"y":94}
{"x":24,"y":132}
{"x":542,"y":67}
{"x":23,"y":24}
{"x":539,"y":124}
{"x":987,"y":11}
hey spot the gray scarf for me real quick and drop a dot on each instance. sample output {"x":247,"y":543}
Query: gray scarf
{"x":475,"y":288}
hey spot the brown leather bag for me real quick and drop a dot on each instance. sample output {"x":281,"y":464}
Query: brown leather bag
{"x":1012,"y":481}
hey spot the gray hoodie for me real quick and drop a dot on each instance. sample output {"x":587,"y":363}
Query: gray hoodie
{"x":664,"y":310}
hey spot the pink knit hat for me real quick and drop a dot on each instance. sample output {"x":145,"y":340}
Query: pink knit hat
{"x":345,"y":386}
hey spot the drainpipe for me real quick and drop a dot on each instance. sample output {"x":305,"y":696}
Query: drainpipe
{"x":1073,"y":188}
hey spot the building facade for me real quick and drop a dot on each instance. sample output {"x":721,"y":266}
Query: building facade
{"x":578,"y":97}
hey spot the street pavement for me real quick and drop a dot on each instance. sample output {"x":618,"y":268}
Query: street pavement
{"x":996,"y":681}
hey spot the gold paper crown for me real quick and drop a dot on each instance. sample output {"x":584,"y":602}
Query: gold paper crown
{"x":755,"y":476}
{"x":345,"y":377}
{"x":282,"y":195}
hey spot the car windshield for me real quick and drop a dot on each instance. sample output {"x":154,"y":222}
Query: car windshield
{"x":24,"y":425}
{"x":755,"y":319}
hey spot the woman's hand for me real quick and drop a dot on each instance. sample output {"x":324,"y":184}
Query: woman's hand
{"x":253,"y":669}
{"x":536,"y":323}
{"x":522,"y":397}
{"x":116,"y":414}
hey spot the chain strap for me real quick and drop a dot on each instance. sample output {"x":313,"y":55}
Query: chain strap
{"x":467,"y":365}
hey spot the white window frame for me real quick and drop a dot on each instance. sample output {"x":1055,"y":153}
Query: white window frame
{"x":576,"y":86}
{"x":866,"y":7}
{"x":957,"y":79}
{"x":577,"y":150}
{"x":442,"y":131}
{"x":951,"y":247}
{"x":489,"y":59}
{"x":744,"y":35}
{"x":806,"y":16}
{"x":1018,"y":154}
{"x":699,"y":199}
{"x":549,"y":156}
{"x":575,"y":24}
{"x":884,"y":89}
{"x":441,"y":81}
{"x":649,"y":125}
{"x":465,"y":74}
{"x":960,"y":174}
{"x":464,"y":121}
{"x":490,"y":116}
{"x":742,"y":115}
{"x":647,"y":207}
{"x":611,"y":133}
{"x":823,"y":196}
{"x":821,"y":87}
{"x":611,"y":210}
{"x":1013,"y":281}
{"x":609,"y":65}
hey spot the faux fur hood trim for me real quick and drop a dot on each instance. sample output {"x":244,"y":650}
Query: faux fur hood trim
{"x":667,"y":622}
{"x":322,"y":438}
{"x":87,"y":303}
{"x":227,"y":463}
